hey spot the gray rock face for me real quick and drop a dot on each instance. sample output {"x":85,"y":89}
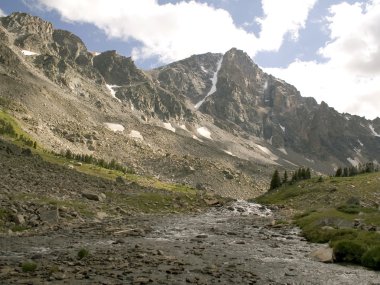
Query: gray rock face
{"x":238,"y":101}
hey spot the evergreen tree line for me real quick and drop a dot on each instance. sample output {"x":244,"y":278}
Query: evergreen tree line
{"x":355,"y":170}
{"x":7,"y":128}
{"x":300,"y":174}
{"x":113,"y":165}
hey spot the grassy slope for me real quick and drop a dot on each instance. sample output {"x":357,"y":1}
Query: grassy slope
{"x":325,"y":214}
{"x":159,"y":200}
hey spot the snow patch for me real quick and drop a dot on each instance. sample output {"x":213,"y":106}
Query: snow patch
{"x":214,"y":80}
{"x":282,"y":128}
{"x":373,"y":131}
{"x":196,"y":138}
{"x":228,"y":152}
{"x":136,"y":135}
{"x":111,"y":88}
{"x":267,"y":151}
{"x":29,"y":53}
{"x":204,"y":69}
{"x":310,"y":160}
{"x":169,"y":127}
{"x":270,"y":140}
{"x":114,"y":127}
{"x":265,"y":87}
{"x":354,"y":162}
{"x":283,"y":150}
{"x":204,"y":132}
{"x":183,"y":127}
{"x":361,"y":144}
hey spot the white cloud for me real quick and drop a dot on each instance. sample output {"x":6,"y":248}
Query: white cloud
{"x":349,"y":80}
{"x":282,"y":18}
{"x":2,"y":14}
{"x":176,"y":31}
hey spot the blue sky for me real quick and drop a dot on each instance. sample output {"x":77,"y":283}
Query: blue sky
{"x":329,"y":50}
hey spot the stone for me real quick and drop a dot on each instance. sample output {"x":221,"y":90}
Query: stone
{"x":101,"y":215}
{"x":212,"y":202}
{"x":18,"y":219}
{"x":48,"y":215}
{"x":323,"y":254}
{"x":92,"y":196}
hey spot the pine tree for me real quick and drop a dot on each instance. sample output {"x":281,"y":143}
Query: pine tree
{"x":345,"y":172}
{"x":276,"y":180}
{"x":285,"y":178}
{"x":338,"y":172}
{"x":308,"y":173}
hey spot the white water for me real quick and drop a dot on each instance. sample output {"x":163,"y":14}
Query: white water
{"x":214,"y":80}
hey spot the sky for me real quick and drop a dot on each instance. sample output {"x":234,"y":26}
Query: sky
{"x":329,"y":50}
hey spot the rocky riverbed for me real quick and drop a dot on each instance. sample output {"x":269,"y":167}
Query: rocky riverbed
{"x":235,"y":244}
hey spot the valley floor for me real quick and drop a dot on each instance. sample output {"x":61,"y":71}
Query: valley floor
{"x":225,"y":245}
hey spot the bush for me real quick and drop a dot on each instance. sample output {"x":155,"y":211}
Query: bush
{"x":349,"y":251}
{"x":82,"y":253}
{"x":29,"y":266}
{"x":349,"y":209}
{"x":372,"y":258}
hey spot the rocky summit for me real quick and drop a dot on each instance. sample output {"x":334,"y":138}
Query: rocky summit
{"x":191,"y":121}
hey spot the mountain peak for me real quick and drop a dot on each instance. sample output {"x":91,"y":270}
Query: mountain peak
{"x":23,"y":24}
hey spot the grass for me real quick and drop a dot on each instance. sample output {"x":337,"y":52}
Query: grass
{"x":29,"y":266}
{"x":328,"y":210}
{"x":82,"y":253}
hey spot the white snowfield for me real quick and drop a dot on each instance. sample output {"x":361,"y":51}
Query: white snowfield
{"x":228,"y":152}
{"x":204,"y":132}
{"x":373,"y":131}
{"x":136,"y":135}
{"x":282,"y":128}
{"x":114,"y":127}
{"x":29,"y":53}
{"x":214,"y":80}
{"x":111,"y":88}
{"x":169,"y":127}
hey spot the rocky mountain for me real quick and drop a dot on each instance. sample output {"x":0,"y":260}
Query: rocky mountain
{"x":214,"y":121}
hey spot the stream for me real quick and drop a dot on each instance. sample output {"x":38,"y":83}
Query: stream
{"x":236,"y":244}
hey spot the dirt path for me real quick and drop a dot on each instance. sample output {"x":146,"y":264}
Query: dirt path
{"x":222,"y":246}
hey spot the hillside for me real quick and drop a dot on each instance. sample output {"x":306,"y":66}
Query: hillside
{"x":343,"y":211}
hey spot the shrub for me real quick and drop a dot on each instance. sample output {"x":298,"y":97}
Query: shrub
{"x":29,"y":266}
{"x":372,"y":258}
{"x":349,"y":209}
{"x":349,"y":251}
{"x":82,"y":253}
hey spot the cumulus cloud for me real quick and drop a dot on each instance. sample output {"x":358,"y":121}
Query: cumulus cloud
{"x":282,"y":18}
{"x":175,"y":31}
{"x":349,"y":80}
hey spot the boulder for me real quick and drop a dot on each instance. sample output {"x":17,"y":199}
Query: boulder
{"x":93,"y":196}
{"x":18,"y":219}
{"x":323,"y":254}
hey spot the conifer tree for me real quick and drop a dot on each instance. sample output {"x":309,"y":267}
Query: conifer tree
{"x":285,"y":178}
{"x":276,"y":180}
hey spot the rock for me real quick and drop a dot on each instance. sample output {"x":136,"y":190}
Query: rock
{"x":48,"y":215}
{"x":101,"y":215}
{"x":93,"y":196}
{"x":323,"y":254}
{"x":18,"y":219}
{"x":212,"y":202}
{"x":141,"y":280}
